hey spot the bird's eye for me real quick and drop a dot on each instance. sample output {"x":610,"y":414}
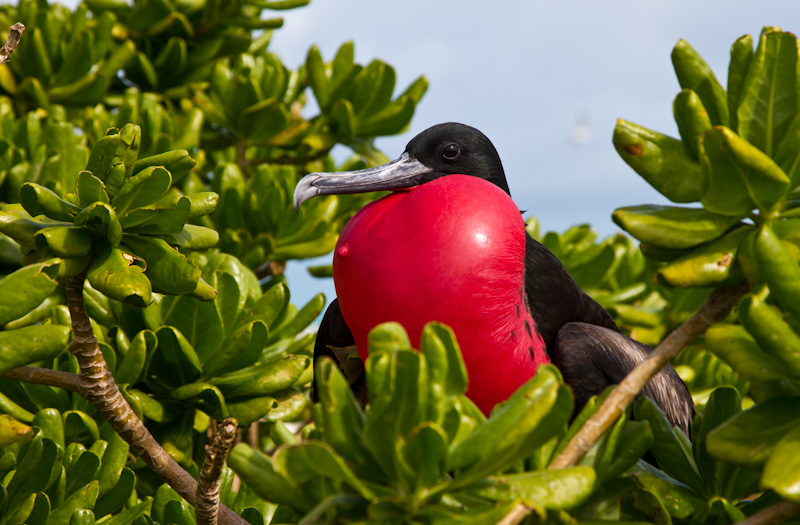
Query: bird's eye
{"x":451,"y":151}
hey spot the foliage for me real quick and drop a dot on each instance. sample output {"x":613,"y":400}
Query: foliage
{"x":151,"y":148}
{"x":154,"y":145}
{"x":738,"y":159}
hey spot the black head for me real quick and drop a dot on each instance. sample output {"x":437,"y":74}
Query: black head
{"x":451,"y":148}
{"x":441,"y":150}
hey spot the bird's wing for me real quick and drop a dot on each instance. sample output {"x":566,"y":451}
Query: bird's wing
{"x":335,"y":340}
{"x":554,"y":298}
{"x":591,"y":358}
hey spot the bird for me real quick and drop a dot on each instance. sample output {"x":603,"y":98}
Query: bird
{"x":448,"y":244}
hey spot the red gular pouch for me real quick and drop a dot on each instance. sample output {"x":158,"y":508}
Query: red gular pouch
{"x":451,"y":250}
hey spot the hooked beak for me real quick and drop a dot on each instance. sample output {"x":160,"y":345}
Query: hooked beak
{"x":403,"y":172}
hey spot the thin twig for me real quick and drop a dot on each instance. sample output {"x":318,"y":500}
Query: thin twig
{"x":45,"y":376}
{"x":14,"y":36}
{"x":715,"y":309}
{"x":517,"y":514}
{"x":207,"y":506}
{"x":777,"y":513}
{"x":101,"y":390}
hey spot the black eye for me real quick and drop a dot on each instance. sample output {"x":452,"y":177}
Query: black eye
{"x":451,"y":151}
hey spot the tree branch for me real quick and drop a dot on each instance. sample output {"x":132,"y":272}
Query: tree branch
{"x":207,"y":506}
{"x":517,"y":514}
{"x":99,"y":388}
{"x":715,"y":309}
{"x":14,"y":36}
{"x":45,"y":376}
{"x":775,"y":514}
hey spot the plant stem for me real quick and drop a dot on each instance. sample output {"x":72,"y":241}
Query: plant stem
{"x":99,"y":388}
{"x":45,"y":376}
{"x":14,"y":36}
{"x":715,"y":309}
{"x":775,"y":514}
{"x":207,"y":506}
{"x":517,"y":514}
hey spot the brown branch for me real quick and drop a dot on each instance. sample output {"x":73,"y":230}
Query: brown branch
{"x":777,"y":513}
{"x":207,"y":506}
{"x":99,"y":388}
{"x":517,"y":514}
{"x":45,"y":376}
{"x":715,"y":309}
{"x":14,"y":36}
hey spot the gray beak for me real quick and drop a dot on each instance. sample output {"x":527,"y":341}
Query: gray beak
{"x":404,"y":172}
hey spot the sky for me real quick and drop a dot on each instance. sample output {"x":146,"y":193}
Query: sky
{"x":545,"y":81}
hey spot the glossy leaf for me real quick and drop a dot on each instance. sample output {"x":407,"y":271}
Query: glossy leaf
{"x":24,"y":289}
{"x":769,"y":93}
{"x":694,"y":73}
{"x":31,"y":344}
{"x":672,"y":226}
{"x":736,"y":177}
{"x":661,"y":160}
{"x":749,"y":437}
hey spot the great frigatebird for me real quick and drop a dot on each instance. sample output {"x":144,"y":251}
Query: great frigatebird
{"x":446,"y":246}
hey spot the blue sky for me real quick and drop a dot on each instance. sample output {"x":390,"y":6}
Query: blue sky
{"x":527,"y":74}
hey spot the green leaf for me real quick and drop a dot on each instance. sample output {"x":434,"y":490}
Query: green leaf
{"x":317,"y":78}
{"x":24,"y":289}
{"x":692,"y":119}
{"x":178,"y":162}
{"x":661,"y":160}
{"x":31,"y":344}
{"x":256,"y":469}
{"x":672,"y":457}
{"x":263,"y":379}
{"x":710,"y":265}
{"x":159,"y":219}
{"x":38,"y":200}
{"x":263,"y":120}
{"x":552,"y":489}
{"x":694,"y":73}
{"x":114,"y":459}
{"x":118,"y":276}
{"x":198,"y":321}
{"x":739,"y":350}
{"x":91,"y":189}
{"x":531,"y":416}
{"x":672,"y":226}
{"x":174,"y":360}
{"x":736,"y":177}
{"x":300,"y":463}
{"x":84,"y":498}
{"x":202,"y":203}
{"x":749,"y":437}
{"x":773,"y":334}
{"x":741,"y":56}
{"x":65,"y":241}
{"x":130,"y":369}
{"x":193,"y":237}
{"x":101,"y":219}
{"x":779,"y":269}
{"x":426,"y":453}
{"x":12,"y":431}
{"x":169,"y":270}
{"x":82,"y":471}
{"x":769,"y":94}
{"x":141,"y":190}
{"x":782,"y":470}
